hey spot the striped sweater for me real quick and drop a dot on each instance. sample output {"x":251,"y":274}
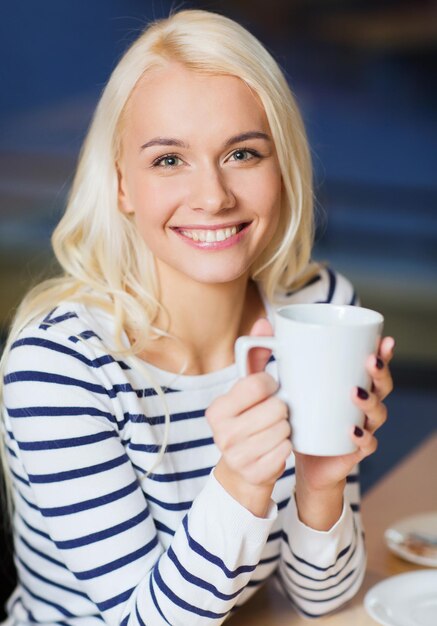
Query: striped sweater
{"x":96,"y":540}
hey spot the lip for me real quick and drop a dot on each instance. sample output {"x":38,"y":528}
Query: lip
{"x":213,"y":245}
{"x":209,"y":226}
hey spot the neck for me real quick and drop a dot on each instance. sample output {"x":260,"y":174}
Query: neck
{"x":206,"y":318}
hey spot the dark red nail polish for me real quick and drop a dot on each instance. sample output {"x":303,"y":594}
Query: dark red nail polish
{"x":362,"y":393}
{"x":358,"y":432}
{"x":379,"y":363}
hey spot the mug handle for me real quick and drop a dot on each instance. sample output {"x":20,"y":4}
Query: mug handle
{"x":244,"y":345}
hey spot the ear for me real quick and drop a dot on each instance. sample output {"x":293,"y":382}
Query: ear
{"x":123,"y":200}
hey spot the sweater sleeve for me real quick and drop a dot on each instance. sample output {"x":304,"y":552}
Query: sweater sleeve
{"x":70,"y":466}
{"x":320,"y":570}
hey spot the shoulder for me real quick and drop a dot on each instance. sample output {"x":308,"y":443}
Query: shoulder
{"x":72,"y":336}
{"x":325,"y":286}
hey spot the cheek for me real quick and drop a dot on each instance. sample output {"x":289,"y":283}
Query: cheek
{"x":154,"y":204}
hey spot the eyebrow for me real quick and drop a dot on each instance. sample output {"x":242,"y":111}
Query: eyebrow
{"x":169,"y":141}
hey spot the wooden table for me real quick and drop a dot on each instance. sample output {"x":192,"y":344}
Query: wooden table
{"x":408,"y":489}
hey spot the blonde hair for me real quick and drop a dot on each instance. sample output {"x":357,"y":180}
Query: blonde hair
{"x":105,"y":261}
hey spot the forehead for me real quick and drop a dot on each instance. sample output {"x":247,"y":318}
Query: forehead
{"x":174,"y":98}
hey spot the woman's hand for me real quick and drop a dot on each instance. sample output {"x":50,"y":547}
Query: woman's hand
{"x":251,"y":428}
{"x":320,"y":480}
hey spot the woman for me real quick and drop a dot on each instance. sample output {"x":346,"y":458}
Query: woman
{"x":149,"y":484}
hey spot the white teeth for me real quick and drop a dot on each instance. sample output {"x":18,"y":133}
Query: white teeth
{"x":210,"y":236}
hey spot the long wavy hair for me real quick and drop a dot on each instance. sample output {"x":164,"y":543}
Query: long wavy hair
{"x":103,"y":258}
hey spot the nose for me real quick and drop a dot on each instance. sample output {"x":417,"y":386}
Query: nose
{"x":210,"y":191}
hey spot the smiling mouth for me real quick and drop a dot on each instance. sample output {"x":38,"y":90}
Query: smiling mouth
{"x":206,"y":235}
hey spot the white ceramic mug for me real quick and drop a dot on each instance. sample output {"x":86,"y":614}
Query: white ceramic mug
{"x":321,"y":351}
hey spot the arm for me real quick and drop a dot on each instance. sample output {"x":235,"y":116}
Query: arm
{"x":321,"y":569}
{"x":62,"y":412}
{"x":323,"y":557}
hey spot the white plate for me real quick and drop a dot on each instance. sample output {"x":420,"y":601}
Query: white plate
{"x":405,"y":600}
{"x":426,"y":524}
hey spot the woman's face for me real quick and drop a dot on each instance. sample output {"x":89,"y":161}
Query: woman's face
{"x":200,"y":174}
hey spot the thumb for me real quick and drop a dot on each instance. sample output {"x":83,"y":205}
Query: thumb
{"x":258,"y":357}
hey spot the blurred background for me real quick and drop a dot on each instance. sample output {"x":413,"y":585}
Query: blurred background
{"x":363,"y":73}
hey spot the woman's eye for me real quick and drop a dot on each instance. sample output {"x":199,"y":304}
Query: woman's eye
{"x":168,"y":160}
{"x":244,"y":155}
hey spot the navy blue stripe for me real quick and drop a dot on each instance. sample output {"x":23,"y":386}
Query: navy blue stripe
{"x":71,"y":442}
{"x":58,"y":379}
{"x":118,"y":563}
{"x":160,"y":419}
{"x":332,"y":284}
{"x":312,"y":565}
{"x":213,"y":558}
{"x":171,"y":506}
{"x":115,"y":601}
{"x":311,"y":281}
{"x":90,"y":504}
{"x":200,"y":582}
{"x":274,"y":536}
{"x":79,"y":472}
{"x":353,"y":299}
{"x":103,"y":534}
{"x":172,"y":447}
{"x":297,"y":606}
{"x":28,"y":502}
{"x":20,"y":478}
{"x":288,"y":472}
{"x":319,"y":588}
{"x":355,"y":507}
{"x":352,"y":478}
{"x":137,"y":613}
{"x":125,"y":621}
{"x":56,"y":411}
{"x":155,"y":601}
{"x":45,"y":601}
{"x":85,"y":334}
{"x":182,"y":603}
{"x":52,"y":321}
{"x":163,"y":528}
{"x":61,"y":349}
{"x":281,"y":505}
{"x":43,"y":555}
{"x":11,"y":452}
{"x":335,"y":597}
{"x":335,"y":575}
{"x":177,"y":476}
{"x":35,"y":530}
{"x":270,"y":559}
{"x":256,"y":582}
{"x":50,"y":582}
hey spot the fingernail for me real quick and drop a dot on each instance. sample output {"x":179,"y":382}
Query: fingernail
{"x":362,"y":393}
{"x":358,"y":432}
{"x":379,"y":364}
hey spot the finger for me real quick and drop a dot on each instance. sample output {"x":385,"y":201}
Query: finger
{"x":258,"y":445}
{"x":269,"y":467}
{"x":372,"y":407}
{"x":258,"y":357}
{"x":365,"y":442}
{"x":246,"y":393}
{"x":257,"y":419}
{"x":382,"y":382}
{"x":386,"y":349}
